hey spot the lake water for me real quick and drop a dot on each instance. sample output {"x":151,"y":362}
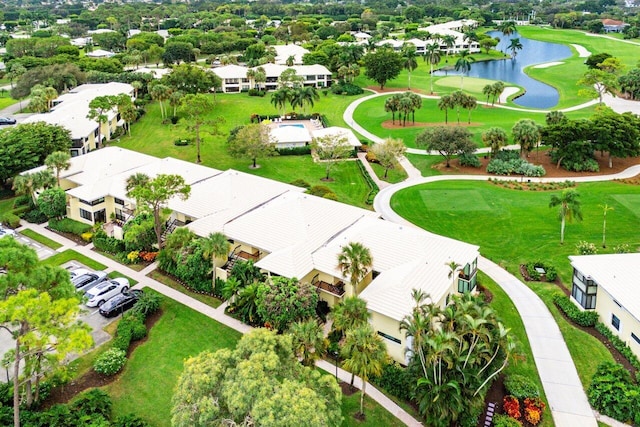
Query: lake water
{"x":538,"y":94}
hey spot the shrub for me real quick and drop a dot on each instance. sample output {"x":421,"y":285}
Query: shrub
{"x":10,"y":220}
{"x":319,"y":190}
{"x":622,"y":248}
{"x":174,"y":120}
{"x":181,"y":142}
{"x":613,"y":393}
{"x":514,"y":166}
{"x":396,"y":380}
{"x":87,"y":236}
{"x":620,"y":345}
{"x":35,"y":216}
{"x":533,"y":408}
{"x":521,"y":387}
{"x":122,"y":339}
{"x":94,"y":402}
{"x":582,"y":318}
{"x":511,"y":406}
{"x":110,"y":362}
{"x":552,"y":273}
{"x":301,"y":183}
{"x":500,"y":420}
{"x":469,"y":159}
{"x":147,"y":304}
{"x":107,"y":244}
{"x":148,"y":256}
{"x":133,"y":256}
{"x":586,"y":248}
{"x":68,"y":225}
{"x":138,"y":330}
{"x":256,"y":92}
{"x":294,"y":151}
{"x":331,"y":196}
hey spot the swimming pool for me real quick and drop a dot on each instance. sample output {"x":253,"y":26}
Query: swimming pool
{"x":294,"y":125}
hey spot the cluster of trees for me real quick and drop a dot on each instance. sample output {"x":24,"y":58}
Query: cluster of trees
{"x":456,"y":101}
{"x":45,"y":333}
{"x":404,"y":104}
{"x":291,"y":90}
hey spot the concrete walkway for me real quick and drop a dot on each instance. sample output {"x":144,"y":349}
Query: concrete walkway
{"x":217,"y":314}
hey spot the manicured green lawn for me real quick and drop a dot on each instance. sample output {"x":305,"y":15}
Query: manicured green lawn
{"x":394,"y":175}
{"x":166,"y":280}
{"x":513,"y":227}
{"x":375,"y":414}
{"x":146,"y":385}
{"x":71,"y":255}
{"x":151,"y":137}
{"x":425,"y":163}
{"x":40,"y":238}
{"x":371,"y":114}
{"x":5,"y":99}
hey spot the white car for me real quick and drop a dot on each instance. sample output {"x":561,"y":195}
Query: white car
{"x":106,"y":290}
{"x":78,"y":272}
{"x":4,"y":231}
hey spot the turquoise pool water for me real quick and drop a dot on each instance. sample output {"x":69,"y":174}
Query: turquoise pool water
{"x":294,"y":125}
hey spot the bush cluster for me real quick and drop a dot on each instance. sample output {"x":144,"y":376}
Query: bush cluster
{"x":10,"y":220}
{"x":294,"y":151}
{"x":521,"y":387}
{"x":188,"y":266}
{"x":130,"y":328}
{"x":256,"y":92}
{"x":68,"y":225}
{"x":322,"y":191}
{"x":35,"y":216}
{"x":586,"y":248}
{"x":550,"y":271}
{"x":107,"y":244}
{"x":582,"y":318}
{"x":301,"y":183}
{"x":396,"y":380}
{"x":514,"y":166}
{"x":110,"y":362}
{"x":500,"y":420}
{"x":181,"y":142}
{"x":344,"y":88}
{"x":619,"y":345}
{"x":469,"y":159}
{"x":613,"y":393}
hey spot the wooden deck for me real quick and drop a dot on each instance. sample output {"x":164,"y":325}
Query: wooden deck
{"x":337,"y":289}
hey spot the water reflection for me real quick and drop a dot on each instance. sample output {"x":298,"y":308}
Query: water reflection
{"x":538,"y":95}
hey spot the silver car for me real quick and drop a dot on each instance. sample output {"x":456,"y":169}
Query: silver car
{"x":89,"y":280}
{"x":104,"y":291}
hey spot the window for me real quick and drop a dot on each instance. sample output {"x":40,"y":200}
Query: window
{"x":94,"y":202}
{"x":389,"y":337}
{"x":615,"y":322}
{"x":86,"y":214}
{"x":118,"y":201}
{"x":635,"y":338}
{"x":584,"y":293}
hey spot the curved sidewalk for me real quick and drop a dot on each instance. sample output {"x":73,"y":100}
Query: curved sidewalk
{"x":565,"y":394}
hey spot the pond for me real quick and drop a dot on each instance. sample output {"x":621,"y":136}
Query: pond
{"x":538,"y":94}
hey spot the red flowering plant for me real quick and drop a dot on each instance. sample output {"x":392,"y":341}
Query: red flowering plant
{"x":533,"y":408}
{"x":511,"y":406}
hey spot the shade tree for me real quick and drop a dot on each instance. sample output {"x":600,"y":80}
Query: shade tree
{"x":382,"y":65}
{"x":252,"y":142}
{"x":387,"y":153}
{"x":282,"y":301}
{"x":99,"y":108}
{"x":331,"y":149}
{"x":196,"y":107}
{"x":448,"y":141}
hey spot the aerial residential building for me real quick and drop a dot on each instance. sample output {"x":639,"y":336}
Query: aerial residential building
{"x":234,"y":77}
{"x":609,"y":285}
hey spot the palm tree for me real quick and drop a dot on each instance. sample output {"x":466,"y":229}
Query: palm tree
{"x":58,"y":161}
{"x":449,"y":41}
{"x":496,"y":138}
{"x":349,"y":313}
{"x":409,"y":62}
{"x":498,"y":87}
{"x":445,"y":103}
{"x":137,"y":85}
{"x":391,"y":104}
{"x":605,"y":208}
{"x":514,"y":47}
{"x":307,"y":95}
{"x":470,"y":103}
{"x":507,"y":27}
{"x":433,"y":57}
{"x":355,"y":261}
{"x":453,"y":269}
{"x":526,"y":133}
{"x":365,"y":355}
{"x":138,"y":179}
{"x":406,"y":107}
{"x":308,"y":339}
{"x":29,"y":183}
{"x":215,"y":246}
{"x":458,"y":100}
{"x":175,"y":99}
{"x":487,"y":90}
{"x":291,"y":59}
{"x":160,"y":93}
{"x":280,"y":97}
{"x":260,"y":77}
{"x":463,"y":64}
{"x":49,"y":93}
{"x":569,"y":208}
{"x":38,"y":104}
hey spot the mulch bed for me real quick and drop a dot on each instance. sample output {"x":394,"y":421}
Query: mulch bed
{"x":617,"y":356}
{"x":91,"y":379}
{"x":75,"y":238}
{"x":346,"y":388}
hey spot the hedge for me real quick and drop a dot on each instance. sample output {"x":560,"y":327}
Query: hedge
{"x":582,"y":318}
{"x":373,"y":187}
{"x":620,"y":345}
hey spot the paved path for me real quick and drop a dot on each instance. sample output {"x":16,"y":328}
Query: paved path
{"x":217,"y":314}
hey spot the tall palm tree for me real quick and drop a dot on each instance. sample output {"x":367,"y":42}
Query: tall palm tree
{"x":453,"y":269}
{"x":349,"y":313}
{"x":160,"y":93}
{"x":488,"y":91}
{"x":526,"y":133}
{"x":409,"y":62}
{"x":280,"y":97}
{"x":463,"y":64}
{"x":137,"y":85}
{"x":391,"y":104}
{"x":449,"y":41}
{"x":569,"y":208}
{"x":308,"y":95}
{"x":605,"y":208}
{"x":58,"y":161}
{"x":470,"y":103}
{"x":445,"y":103}
{"x":365,"y":355}
{"x":354,"y":261}
{"x":175,"y":100}
{"x":496,"y":138}
{"x":215,"y":246}
{"x":406,"y":107}
{"x":308,"y":339}
{"x":458,"y":100}
{"x":432,"y":55}
{"x":260,"y":77}
{"x":498,"y":87}
{"x":507,"y":27}
{"x":514,"y":47}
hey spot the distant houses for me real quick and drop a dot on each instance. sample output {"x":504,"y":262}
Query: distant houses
{"x":234,"y":77}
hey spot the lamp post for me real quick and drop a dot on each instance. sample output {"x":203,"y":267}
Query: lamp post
{"x":335,"y":355}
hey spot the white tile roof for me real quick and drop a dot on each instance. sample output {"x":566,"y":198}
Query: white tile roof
{"x":231,"y":71}
{"x":351,"y":137}
{"x":291,"y":227}
{"x":285,"y":51}
{"x":225,"y":196}
{"x":100,"y":53}
{"x":271,"y":70}
{"x":617,"y":274}
{"x":71,"y":108}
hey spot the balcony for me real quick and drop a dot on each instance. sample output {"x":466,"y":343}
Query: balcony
{"x":240,"y":255}
{"x":336,"y":289}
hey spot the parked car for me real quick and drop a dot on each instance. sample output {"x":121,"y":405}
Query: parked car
{"x":120,"y":303}
{"x":78,"y":272}
{"x":89,"y":280}
{"x":7,"y":232}
{"x":7,"y":121}
{"x":106,"y":290}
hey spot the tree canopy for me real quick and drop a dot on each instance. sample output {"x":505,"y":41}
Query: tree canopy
{"x":382,"y":65}
{"x":448,"y":141}
{"x":252,"y":142}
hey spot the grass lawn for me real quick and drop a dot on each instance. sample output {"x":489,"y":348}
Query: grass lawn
{"x":114,"y":274}
{"x":371,"y":114}
{"x":394,"y":175}
{"x":146,"y":385}
{"x":524,"y":364}
{"x":150,"y":137}
{"x":71,"y":255}
{"x":40,"y":238}
{"x":166,"y":280}
{"x":376,"y":415}
{"x":513,"y":227}
{"x":424,"y":163}
{"x":6,"y":205}
{"x":5,"y":99}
